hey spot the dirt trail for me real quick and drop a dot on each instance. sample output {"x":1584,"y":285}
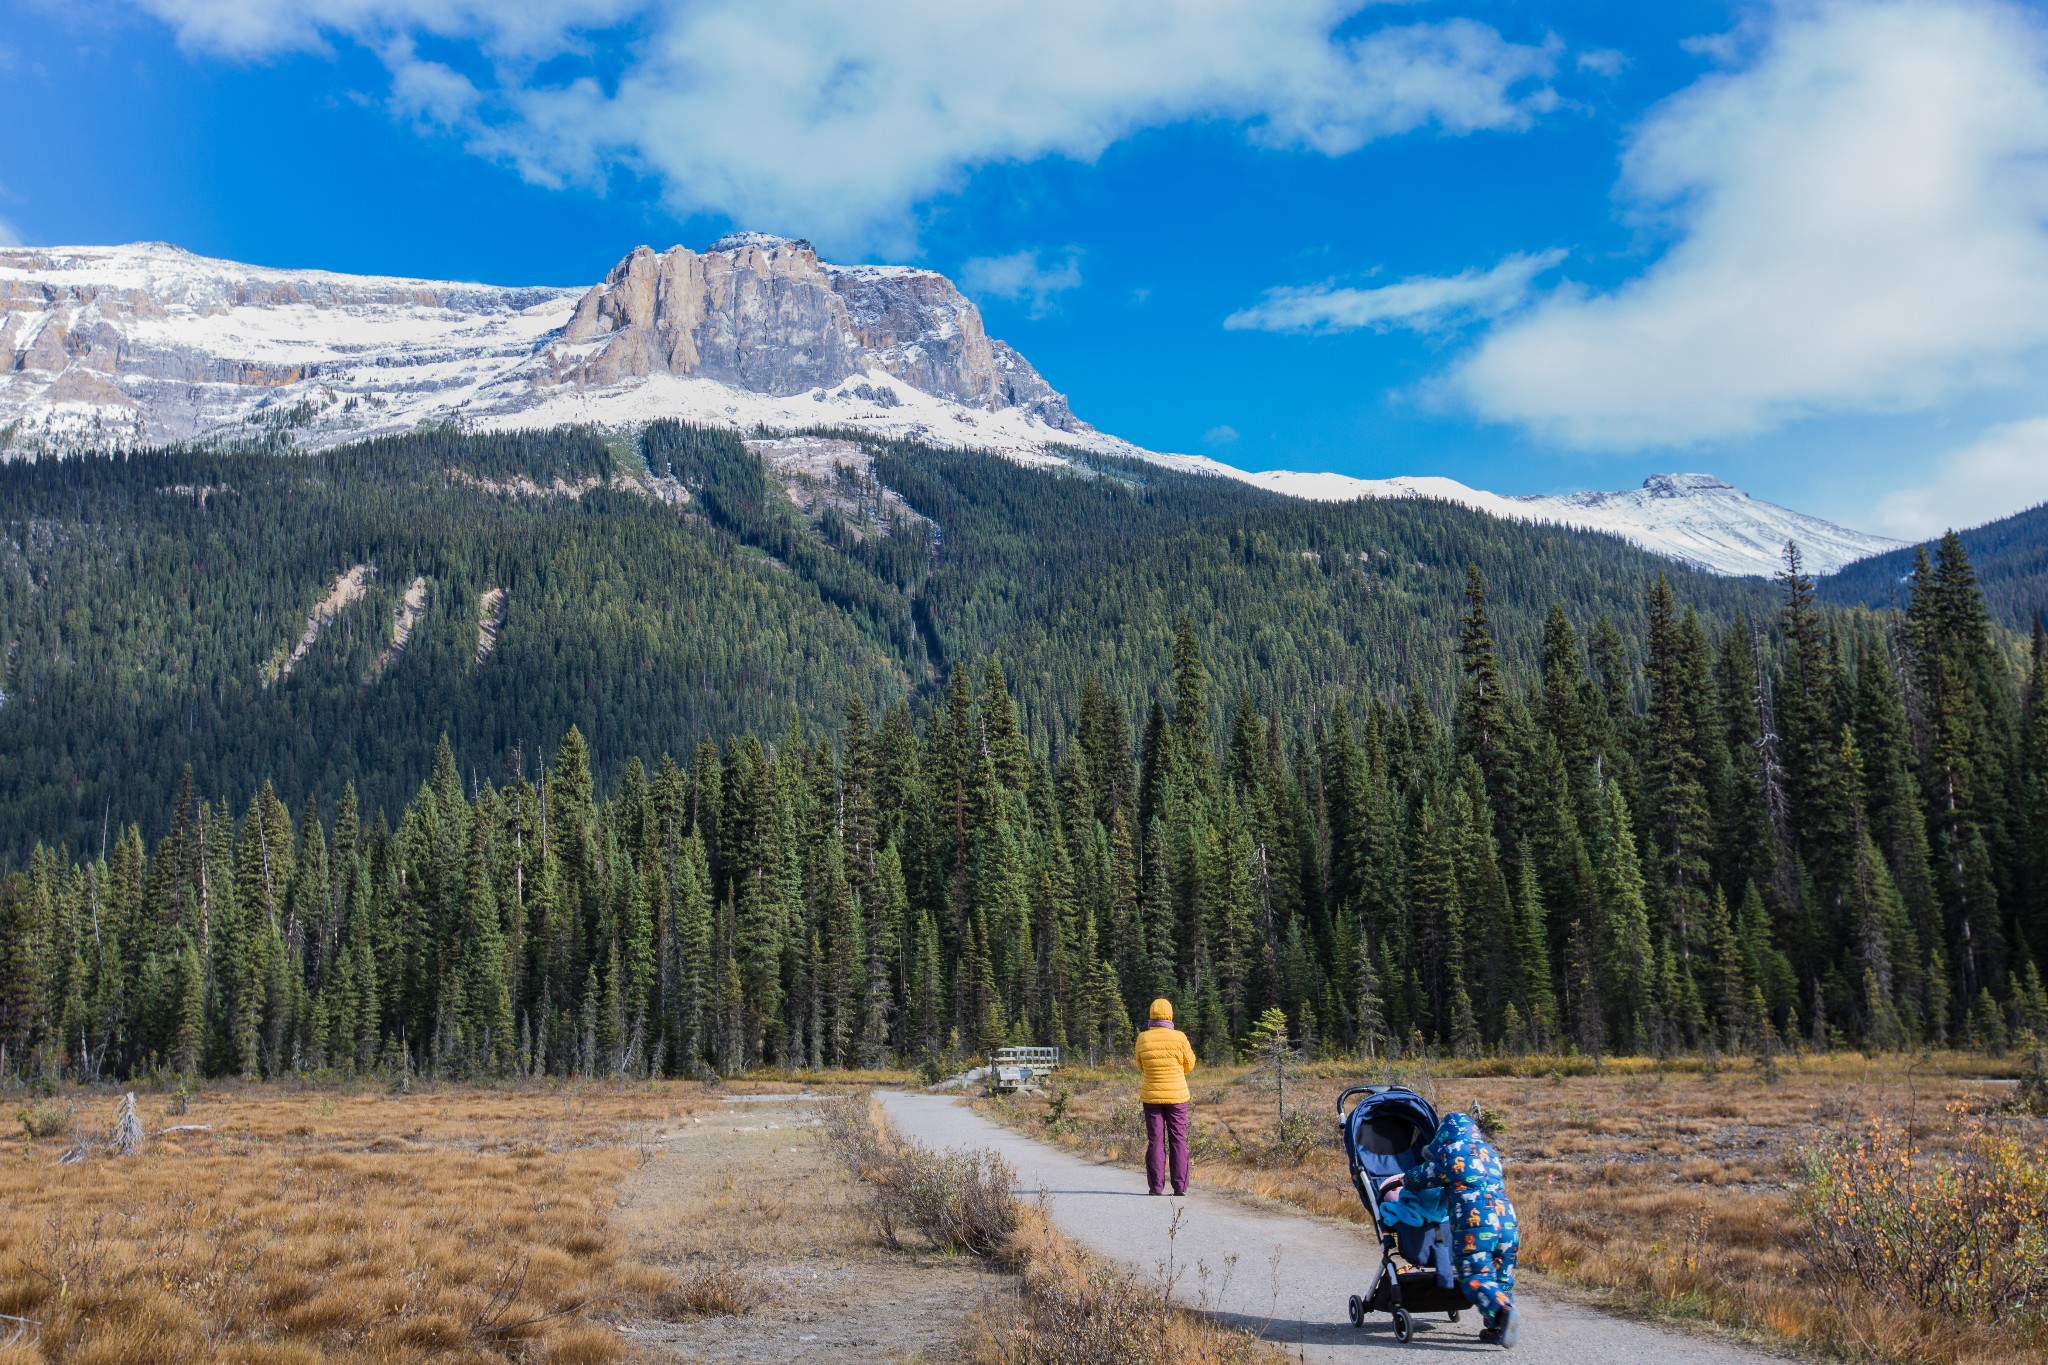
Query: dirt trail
{"x":749,"y":1186}
{"x":1284,"y":1276}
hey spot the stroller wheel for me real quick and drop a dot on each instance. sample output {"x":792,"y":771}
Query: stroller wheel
{"x":1404,"y":1326}
{"x":1357,"y":1311}
{"x":1455,"y":1314}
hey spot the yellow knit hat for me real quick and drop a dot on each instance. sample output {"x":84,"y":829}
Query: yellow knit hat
{"x":1162,"y":1008}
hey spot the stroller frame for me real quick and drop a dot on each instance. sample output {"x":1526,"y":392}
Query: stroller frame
{"x":1401,"y":1293}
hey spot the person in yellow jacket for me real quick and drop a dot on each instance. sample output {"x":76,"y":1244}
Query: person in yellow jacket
{"x":1164,"y":1061}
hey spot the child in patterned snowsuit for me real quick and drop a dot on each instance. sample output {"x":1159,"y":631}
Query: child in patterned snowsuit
{"x":1484,"y":1238}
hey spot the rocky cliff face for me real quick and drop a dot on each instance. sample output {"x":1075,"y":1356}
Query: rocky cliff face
{"x":765,"y":315}
{"x":147,"y":343}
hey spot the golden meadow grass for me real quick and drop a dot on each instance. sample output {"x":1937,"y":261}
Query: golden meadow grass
{"x":1070,"y":1308}
{"x":1670,"y":1188}
{"x":310,"y":1226}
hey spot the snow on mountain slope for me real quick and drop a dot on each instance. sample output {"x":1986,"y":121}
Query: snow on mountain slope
{"x":146,"y":343}
{"x":1695,"y":518}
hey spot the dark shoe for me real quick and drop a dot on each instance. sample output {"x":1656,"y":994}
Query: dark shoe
{"x":1502,"y":1331}
{"x":1489,"y":1336}
{"x":1155,"y":1193}
{"x":1180,"y":1193}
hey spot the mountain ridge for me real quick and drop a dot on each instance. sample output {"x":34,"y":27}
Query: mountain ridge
{"x":148,"y":343}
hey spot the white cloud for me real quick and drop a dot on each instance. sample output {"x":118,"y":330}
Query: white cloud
{"x":1859,"y":218}
{"x":10,"y":235}
{"x":1425,"y":303}
{"x":1603,"y":61}
{"x":2004,"y":470}
{"x":833,"y":119}
{"x":1021,"y":278}
{"x":1220,"y":436}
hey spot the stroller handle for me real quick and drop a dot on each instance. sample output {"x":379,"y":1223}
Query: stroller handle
{"x":1363,"y":1092}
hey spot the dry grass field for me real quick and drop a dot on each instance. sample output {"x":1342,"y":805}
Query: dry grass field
{"x":457,"y":1225}
{"x":1674,"y":1189}
{"x":576,"y":1225}
{"x":1069,"y":1308}
{"x":580,"y":1225}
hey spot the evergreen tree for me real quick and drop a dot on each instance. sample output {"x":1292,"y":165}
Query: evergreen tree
{"x":1627,"y":965}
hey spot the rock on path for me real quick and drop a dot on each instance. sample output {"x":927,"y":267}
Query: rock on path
{"x":1291,"y":1276}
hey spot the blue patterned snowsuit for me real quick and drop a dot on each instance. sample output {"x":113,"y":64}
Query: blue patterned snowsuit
{"x":1484,"y":1238}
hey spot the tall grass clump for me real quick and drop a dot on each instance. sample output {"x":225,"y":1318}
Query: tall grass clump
{"x":1964,"y":1234}
{"x":1072,"y":1310}
{"x":959,"y":1201}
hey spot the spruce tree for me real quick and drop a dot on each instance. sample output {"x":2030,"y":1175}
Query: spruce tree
{"x":1532,"y":957}
{"x":1628,"y":968}
{"x":483,"y":1007}
{"x":1676,"y":789}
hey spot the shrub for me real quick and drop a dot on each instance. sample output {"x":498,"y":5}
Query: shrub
{"x":1966,"y":1236}
{"x":45,"y":1120}
{"x":1073,"y":1311}
{"x":2030,"y":1094}
{"x":1492,"y":1122}
{"x":1299,"y":1133}
{"x":959,"y":1201}
{"x":719,"y":1290}
{"x":1108,"y":1318}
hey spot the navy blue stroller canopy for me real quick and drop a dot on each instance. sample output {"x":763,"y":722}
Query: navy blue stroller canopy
{"x":1387,"y":1132}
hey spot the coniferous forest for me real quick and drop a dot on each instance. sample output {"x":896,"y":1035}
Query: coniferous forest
{"x":1003,"y":768}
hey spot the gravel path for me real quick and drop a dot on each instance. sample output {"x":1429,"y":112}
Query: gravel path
{"x":1284,"y":1276}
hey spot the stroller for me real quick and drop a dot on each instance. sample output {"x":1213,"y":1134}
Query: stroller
{"x":1384,"y":1134}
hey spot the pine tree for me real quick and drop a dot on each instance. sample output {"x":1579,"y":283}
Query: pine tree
{"x":927,"y":990}
{"x":188,"y":1045}
{"x":1532,"y":956}
{"x":483,"y":1008}
{"x":1676,"y":770}
{"x":19,"y":967}
{"x":695,"y":1000}
{"x":1487,"y":733}
{"x":1628,"y":968}
{"x":1731,"y":986}
{"x":1957,"y":672}
{"x":1190,"y":694}
{"x":1006,"y":747}
{"x":1439,"y":920}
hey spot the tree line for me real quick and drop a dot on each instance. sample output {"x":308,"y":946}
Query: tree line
{"x":1818,"y":827}
{"x":144,"y":599}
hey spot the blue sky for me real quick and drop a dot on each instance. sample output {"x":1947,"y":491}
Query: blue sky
{"x":1532,"y":246}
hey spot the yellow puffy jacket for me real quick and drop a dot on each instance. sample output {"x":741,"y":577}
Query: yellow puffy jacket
{"x":1164,"y":1060}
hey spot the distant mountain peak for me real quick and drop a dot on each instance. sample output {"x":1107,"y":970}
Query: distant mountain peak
{"x":1699,"y":519}
{"x":1681,"y":485}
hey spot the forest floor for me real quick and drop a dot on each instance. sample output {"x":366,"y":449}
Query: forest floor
{"x":567,"y":1224}
{"x":1667,"y":1190}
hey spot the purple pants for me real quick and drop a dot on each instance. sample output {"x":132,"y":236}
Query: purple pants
{"x":1166,"y":1137}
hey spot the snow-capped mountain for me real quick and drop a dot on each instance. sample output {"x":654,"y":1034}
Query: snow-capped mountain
{"x":147,"y":343}
{"x":1695,"y":518}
